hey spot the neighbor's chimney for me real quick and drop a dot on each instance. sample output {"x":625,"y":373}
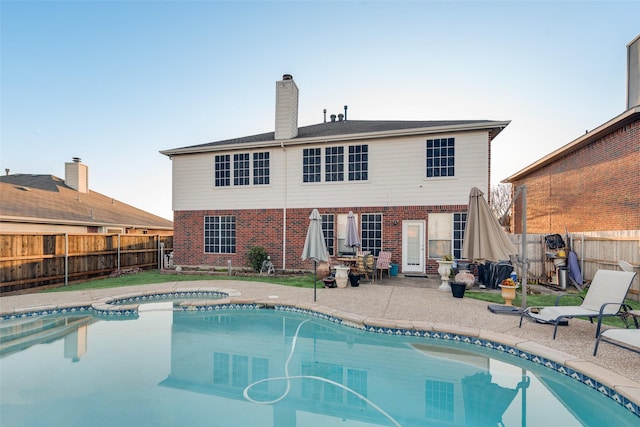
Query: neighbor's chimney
{"x":633,"y":73}
{"x":286,"y":108}
{"x":76,"y":175}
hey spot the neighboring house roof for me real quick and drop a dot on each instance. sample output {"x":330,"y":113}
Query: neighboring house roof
{"x":47,"y":199}
{"x":629,"y":116}
{"x":346,"y":129}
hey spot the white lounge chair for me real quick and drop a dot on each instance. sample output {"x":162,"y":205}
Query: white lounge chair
{"x":625,"y":338}
{"x":605,"y":297}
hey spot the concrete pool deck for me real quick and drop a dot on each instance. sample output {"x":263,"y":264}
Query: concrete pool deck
{"x":406,"y":303}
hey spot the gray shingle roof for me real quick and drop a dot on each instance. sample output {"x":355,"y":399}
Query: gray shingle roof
{"x":346,"y":127}
{"x":48,"y":197}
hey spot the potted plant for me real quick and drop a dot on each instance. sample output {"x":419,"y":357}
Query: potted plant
{"x":444,"y":268}
{"x":508,"y":287}
{"x":354,"y":279}
{"x":457,"y":287}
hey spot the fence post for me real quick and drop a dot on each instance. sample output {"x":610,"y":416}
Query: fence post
{"x":66,"y":259}
{"x":118,"y":252}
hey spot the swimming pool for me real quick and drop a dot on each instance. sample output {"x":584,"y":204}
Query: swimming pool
{"x":238,"y":365}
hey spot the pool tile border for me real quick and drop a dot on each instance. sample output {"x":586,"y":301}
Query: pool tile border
{"x":211,"y":300}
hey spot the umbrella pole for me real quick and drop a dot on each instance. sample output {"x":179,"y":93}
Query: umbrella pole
{"x":314,"y":279}
{"x":525,"y":261}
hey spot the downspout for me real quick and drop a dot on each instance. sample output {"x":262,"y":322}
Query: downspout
{"x":284,"y":210}
{"x":66,"y":259}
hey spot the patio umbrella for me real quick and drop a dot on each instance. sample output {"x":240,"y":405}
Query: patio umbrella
{"x":315,"y":247}
{"x":485,"y":402}
{"x":484,"y":238}
{"x":352,"y":239}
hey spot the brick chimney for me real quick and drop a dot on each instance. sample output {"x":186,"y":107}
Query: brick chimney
{"x":76,"y":175}
{"x":286,"y":108}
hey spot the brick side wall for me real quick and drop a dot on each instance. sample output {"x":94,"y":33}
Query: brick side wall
{"x":596,"y":188}
{"x":264,"y":227}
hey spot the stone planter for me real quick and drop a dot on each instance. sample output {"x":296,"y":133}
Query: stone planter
{"x":443,"y":270}
{"x":342,"y":276}
{"x":508,"y":293}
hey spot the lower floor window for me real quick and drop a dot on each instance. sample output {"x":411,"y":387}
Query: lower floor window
{"x":220,"y":234}
{"x":328,"y":229}
{"x":371,"y":233}
{"x":446,"y":234}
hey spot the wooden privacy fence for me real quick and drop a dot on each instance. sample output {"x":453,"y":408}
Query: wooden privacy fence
{"x":594,"y":252}
{"x":32,"y":260}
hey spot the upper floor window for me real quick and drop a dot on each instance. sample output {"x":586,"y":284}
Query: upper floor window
{"x":311,"y":163}
{"x":260,"y":168}
{"x":358,"y":162}
{"x":440,"y":157}
{"x":223,"y":170}
{"x":241,"y":169}
{"x":334,"y":164}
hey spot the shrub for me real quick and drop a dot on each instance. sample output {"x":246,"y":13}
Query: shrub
{"x":256,"y":257}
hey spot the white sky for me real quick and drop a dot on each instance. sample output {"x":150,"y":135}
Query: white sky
{"x":114,"y":82}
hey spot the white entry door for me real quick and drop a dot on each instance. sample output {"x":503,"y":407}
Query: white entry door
{"x":413,"y":247}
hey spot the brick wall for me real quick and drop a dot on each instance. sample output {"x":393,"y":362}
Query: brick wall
{"x":596,"y":188}
{"x":264,"y":227}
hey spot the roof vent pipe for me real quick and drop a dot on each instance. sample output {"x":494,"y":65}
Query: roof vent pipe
{"x":340,"y":117}
{"x":345,"y":113}
{"x":324,"y":111}
{"x":333,"y":117}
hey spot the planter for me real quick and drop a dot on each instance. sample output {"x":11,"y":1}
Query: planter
{"x":342,"y":274}
{"x":457,"y":289}
{"x":508,"y":293}
{"x":354,"y":280}
{"x":465,"y":277}
{"x":444,"y":268}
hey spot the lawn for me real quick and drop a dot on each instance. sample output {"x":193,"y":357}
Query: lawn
{"x":306,"y":281}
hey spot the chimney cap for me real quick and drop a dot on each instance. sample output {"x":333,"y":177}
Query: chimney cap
{"x":76,"y":160}
{"x":287,"y":77}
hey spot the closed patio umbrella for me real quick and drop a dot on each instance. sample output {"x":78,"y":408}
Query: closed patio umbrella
{"x":484,"y":238}
{"x":352,"y":239}
{"x":315,"y":247}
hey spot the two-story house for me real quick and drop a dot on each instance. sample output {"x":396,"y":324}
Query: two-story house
{"x":407,"y":182}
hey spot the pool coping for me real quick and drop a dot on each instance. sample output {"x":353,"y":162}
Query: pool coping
{"x":622,"y":390}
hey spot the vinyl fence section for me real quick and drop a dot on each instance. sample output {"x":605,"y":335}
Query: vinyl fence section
{"x":33,"y":260}
{"x":594,"y":250}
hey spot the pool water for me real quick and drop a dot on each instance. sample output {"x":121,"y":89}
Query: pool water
{"x":272,"y":368}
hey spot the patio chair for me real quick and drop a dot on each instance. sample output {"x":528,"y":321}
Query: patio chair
{"x":625,"y":338}
{"x":605,"y":297}
{"x":366,"y":266}
{"x":384,"y":262}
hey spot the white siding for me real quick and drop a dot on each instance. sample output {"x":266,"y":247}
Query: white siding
{"x":396,"y":178}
